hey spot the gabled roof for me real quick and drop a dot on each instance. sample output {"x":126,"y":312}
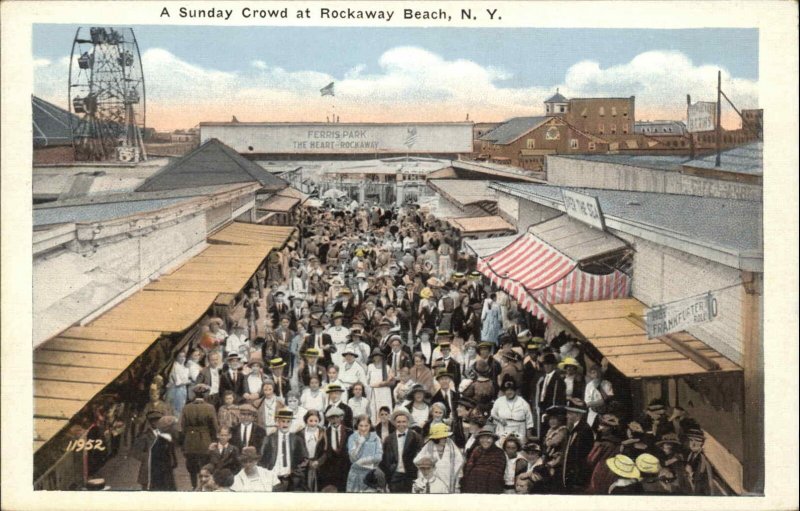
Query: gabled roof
{"x":556,"y":98}
{"x":213,"y":163}
{"x":512,"y":129}
{"x":51,"y":123}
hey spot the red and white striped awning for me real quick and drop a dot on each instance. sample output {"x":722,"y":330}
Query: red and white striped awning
{"x":536,"y":274}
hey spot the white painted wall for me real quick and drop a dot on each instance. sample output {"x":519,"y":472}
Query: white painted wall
{"x":355,"y":138}
{"x":662,"y":274}
{"x":68,"y":286}
{"x":612,"y":176}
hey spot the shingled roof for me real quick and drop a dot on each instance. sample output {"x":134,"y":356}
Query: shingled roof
{"x":512,"y":129}
{"x":213,"y":163}
{"x":557,"y":98}
{"x":51,"y":124}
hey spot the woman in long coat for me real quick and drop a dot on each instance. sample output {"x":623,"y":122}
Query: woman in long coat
{"x":446,"y":454}
{"x":486,"y":466}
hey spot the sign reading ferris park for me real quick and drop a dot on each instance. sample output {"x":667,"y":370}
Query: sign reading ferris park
{"x":584,"y":208}
{"x":680,"y":315}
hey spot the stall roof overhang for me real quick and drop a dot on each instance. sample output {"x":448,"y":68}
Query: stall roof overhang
{"x":481,"y":224}
{"x":577,"y":240}
{"x":727,"y":231}
{"x":616,"y":329}
{"x":279,"y":204}
{"x":72,"y":368}
{"x":488,"y":246}
{"x":463,"y":192}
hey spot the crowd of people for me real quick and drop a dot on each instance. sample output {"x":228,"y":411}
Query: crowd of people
{"x":370,"y":357}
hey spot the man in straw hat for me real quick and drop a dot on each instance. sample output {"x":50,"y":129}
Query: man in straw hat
{"x":628,"y":476}
{"x":485,"y":468}
{"x":247,"y":433}
{"x":337,"y":460}
{"x":319,"y":340}
{"x":531,"y":369}
{"x":650,"y":468}
{"x":199,"y":425}
{"x":399,"y":450}
{"x":580,"y":439}
{"x":285,"y":453}
{"x":428,"y":481}
{"x":282,"y":387}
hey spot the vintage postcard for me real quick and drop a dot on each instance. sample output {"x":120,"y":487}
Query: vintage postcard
{"x":516,"y":253}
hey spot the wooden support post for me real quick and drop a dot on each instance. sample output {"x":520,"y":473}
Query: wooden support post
{"x":753,"y":360}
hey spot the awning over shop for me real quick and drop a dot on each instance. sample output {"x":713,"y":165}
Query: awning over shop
{"x":487,"y":246}
{"x":616,"y":329}
{"x":72,"y":368}
{"x":279,"y":204}
{"x":480,"y":224}
{"x":577,"y":240}
{"x":537,"y":274}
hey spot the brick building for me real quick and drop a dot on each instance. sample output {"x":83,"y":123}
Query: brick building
{"x":525,"y":141}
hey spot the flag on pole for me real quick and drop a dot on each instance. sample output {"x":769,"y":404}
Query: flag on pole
{"x":327,"y":90}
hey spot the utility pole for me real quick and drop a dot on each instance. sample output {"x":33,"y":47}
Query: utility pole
{"x":691,"y":135}
{"x":719,"y":118}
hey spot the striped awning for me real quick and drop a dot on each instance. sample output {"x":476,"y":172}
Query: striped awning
{"x":536,"y":274}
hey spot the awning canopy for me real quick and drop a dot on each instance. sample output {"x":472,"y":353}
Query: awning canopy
{"x":481,"y":224}
{"x":72,"y":368}
{"x":537,"y":274}
{"x":577,"y":240}
{"x":487,"y":246}
{"x":279,"y":204}
{"x":616,"y":329}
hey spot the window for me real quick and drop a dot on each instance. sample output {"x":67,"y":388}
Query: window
{"x":614,"y":111}
{"x":625,"y":114}
{"x":625,"y":128}
{"x":573,"y":143}
{"x":592,"y":146}
{"x":530,"y":144}
{"x":600,"y":128}
{"x":613,"y":129}
{"x":583,"y":113}
{"x":548,"y":108}
{"x":602,"y":111}
{"x":561,"y":109}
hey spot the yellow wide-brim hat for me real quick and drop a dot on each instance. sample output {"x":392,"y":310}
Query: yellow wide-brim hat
{"x":648,"y":464}
{"x":623,"y":466}
{"x":439,"y":431}
{"x":569,"y":361}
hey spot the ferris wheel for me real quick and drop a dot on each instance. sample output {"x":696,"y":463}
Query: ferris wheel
{"x":106,"y":93}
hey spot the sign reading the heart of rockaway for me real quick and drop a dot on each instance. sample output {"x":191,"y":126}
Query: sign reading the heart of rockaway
{"x":677,"y":316}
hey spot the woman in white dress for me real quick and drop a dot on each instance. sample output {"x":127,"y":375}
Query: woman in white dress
{"x":252,"y":477}
{"x":359,"y":402}
{"x":178,"y":384}
{"x":380,"y":379}
{"x":313,"y":398}
{"x":445,"y":454}
{"x":193,"y":364}
{"x":253,"y":381}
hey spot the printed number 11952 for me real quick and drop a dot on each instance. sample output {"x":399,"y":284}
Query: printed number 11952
{"x":85,"y":445}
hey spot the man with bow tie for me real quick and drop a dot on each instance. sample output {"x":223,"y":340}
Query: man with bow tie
{"x":399,"y":450}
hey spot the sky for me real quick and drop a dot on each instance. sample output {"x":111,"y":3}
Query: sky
{"x":197,"y":73}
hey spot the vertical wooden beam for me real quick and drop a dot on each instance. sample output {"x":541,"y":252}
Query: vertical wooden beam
{"x":753,"y":360}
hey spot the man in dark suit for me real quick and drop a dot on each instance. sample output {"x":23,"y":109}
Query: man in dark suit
{"x":397,"y":357}
{"x":399,"y":450}
{"x":475,"y":289}
{"x":248,"y":433}
{"x":222,"y":453}
{"x":346,"y":306}
{"x":447,"y":362}
{"x":575,"y":471}
{"x":285,"y":453}
{"x":311,"y":367}
{"x":319,"y":340}
{"x":231,"y":378}
{"x":335,"y":392}
{"x":279,"y":308}
{"x":282,"y":384}
{"x":550,"y":390}
{"x":446,"y":394}
{"x":210,"y":376}
{"x":284,"y":336}
{"x":337,"y":460}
